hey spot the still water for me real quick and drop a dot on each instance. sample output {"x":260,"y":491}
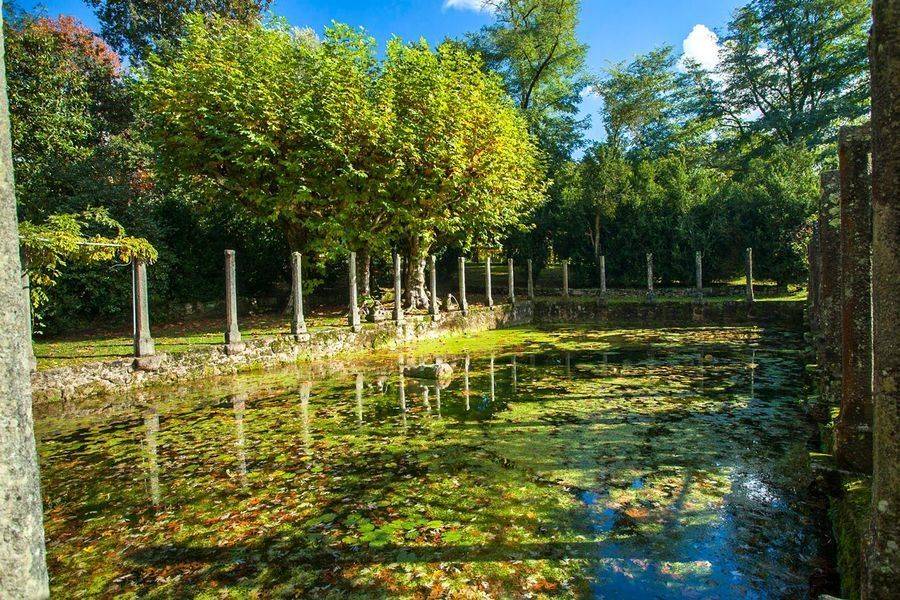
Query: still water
{"x":575,"y":463}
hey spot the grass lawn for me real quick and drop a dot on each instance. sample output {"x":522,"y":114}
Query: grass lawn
{"x":175,"y":337}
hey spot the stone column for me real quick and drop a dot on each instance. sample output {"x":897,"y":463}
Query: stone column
{"x":881,"y":578}
{"x":698,"y":266}
{"x":354,"y":296}
{"x":298,"y":323}
{"x":26,"y":292}
{"x":530,"y":280}
{"x":512,"y":282}
{"x":433,"y":310}
{"x":650,"y":295}
{"x":463,"y":303}
{"x":23,"y":568}
{"x":565,"y":267}
{"x":853,"y":429}
{"x":487,"y":283}
{"x":398,"y":289}
{"x":603,"y":274}
{"x":748,"y":267}
{"x":812,"y":301}
{"x":233,"y":341}
{"x":143,"y":342}
{"x":829,"y":310}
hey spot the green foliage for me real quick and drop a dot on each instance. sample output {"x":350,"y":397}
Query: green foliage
{"x":138,"y":27}
{"x":335,"y":148}
{"x":75,"y":238}
{"x":792,"y":70}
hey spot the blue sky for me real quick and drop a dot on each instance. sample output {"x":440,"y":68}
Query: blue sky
{"x":614,"y":30}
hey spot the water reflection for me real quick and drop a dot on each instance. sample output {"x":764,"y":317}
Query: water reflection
{"x":360,"y":382}
{"x":649,"y":474}
{"x":305,"y":389}
{"x":239,"y":404}
{"x":151,"y":429}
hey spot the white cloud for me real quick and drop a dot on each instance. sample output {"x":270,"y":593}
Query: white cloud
{"x":476,"y":5}
{"x":702,"y":46}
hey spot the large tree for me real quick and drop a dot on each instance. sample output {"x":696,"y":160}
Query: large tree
{"x":69,"y":109}
{"x":792,"y":70}
{"x":467,"y":170}
{"x":136,"y":28}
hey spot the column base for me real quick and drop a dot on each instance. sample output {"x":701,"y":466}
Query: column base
{"x":301,"y":337}
{"x":148,"y":363}
{"x":235,"y":348}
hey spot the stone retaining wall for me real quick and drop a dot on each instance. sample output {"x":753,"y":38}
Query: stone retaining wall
{"x":782,"y":313}
{"x":69,"y":383}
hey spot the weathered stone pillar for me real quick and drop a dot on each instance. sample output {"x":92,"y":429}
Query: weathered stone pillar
{"x":463,"y":303}
{"x":143,"y":342}
{"x":603,"y":274}
{"x":565,"y":267}
{"x":354,"y":296}
{"x":433,"y":310}
{"x":298,"y":323}
{"x":487,"y":283}
{"x":812,"y":301}
{"x":853,"y":429}
{"x":512,"y":282}
{"x":698,"y":268}
{"x":530,"y":280}
{"x":23,"y":568}
{"x":233,"y":343}
{"x":829,"y":311}
{"x":881,"y":578}
{"x":748,"y":267}
{"x":26,"y":292}
{"x":398,"y":289}
{"x":650,"y":295}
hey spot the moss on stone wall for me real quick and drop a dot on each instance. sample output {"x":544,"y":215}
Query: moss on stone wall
{"x":849,"y":515}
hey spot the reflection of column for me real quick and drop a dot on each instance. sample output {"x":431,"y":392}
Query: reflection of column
{"x":466,"y":382}
{"x":305,"y":388}
{"x":568,"y":365}
{"x":151,"y":424}
{"x":437,"y":398}
{"x":359,"y":398}
{"x":513,"y":366}
{"x":425,"y":400}
{"x":493,"y":389}
{"x":402,"y":396}
{"x":753,"y":375}
{"x":239,"y":402}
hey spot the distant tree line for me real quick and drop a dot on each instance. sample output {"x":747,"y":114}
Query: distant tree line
{"x":230,"y":130}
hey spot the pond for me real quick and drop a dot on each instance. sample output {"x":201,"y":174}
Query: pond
{"x":667,"y":463}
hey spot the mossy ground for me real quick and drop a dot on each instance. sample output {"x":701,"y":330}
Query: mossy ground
{"x":570,"y":463}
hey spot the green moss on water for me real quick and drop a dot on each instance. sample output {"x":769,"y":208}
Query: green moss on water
{"x":543,"y":471}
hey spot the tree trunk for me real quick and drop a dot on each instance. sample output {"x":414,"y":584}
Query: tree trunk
{"x":23,"y":567}
{"x":365,"y":271}
{"x":414,"y":272}
{"x":595,"y":239}
{"x":881,"y":577}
